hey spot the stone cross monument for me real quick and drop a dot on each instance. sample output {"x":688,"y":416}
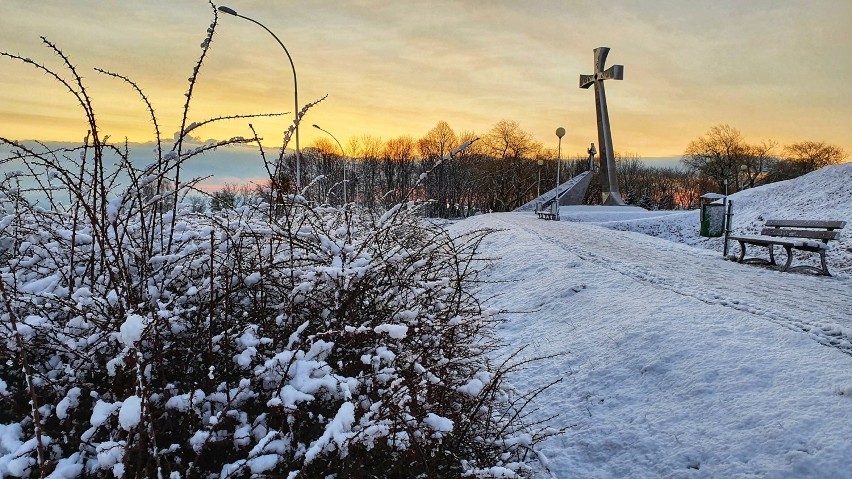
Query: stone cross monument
{"x":607,"y":178}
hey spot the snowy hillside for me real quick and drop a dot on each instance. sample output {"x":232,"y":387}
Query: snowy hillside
{"x":672,"y":361}
{"x":825,"y":194}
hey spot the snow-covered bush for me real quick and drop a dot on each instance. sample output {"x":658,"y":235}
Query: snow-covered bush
{"x":140,"y":339}
{"x":320,"y":342}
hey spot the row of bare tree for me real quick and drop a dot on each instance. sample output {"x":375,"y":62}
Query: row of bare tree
{"x":499,"y":171}
{"x":723,"y":155}
{"x":506,"y":167}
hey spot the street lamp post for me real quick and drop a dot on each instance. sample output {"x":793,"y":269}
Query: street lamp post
{"x":345,"y":197}
{"x":540,"y":164}
{"x":233,"y":12}
{"x":560,"y":132}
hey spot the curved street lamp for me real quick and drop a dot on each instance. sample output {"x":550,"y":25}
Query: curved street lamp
{"x":345,"y":200}
{"x":233,"y":12}
{"x":560,"y":132}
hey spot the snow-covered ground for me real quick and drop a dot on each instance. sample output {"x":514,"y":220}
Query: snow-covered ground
{"x":674,"y":361}
{"x":825,"y":194}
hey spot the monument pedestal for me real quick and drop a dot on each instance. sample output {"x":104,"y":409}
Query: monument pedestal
{"x":613,"y":199}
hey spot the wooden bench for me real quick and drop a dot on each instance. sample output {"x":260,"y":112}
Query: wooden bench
{"x":804,"y":235}
{"x":547,"y":210}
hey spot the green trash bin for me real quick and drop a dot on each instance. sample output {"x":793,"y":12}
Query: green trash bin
{"x":712,"y":220}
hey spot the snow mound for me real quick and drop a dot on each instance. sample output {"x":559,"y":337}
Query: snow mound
{"x":825,"y":194}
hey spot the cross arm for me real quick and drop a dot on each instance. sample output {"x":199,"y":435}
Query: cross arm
{"x":615,"y":72}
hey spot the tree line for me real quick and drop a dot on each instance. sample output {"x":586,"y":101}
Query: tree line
{"x":499,"y":171}
{"x":506,"y":168}
{"x":724,"y":156}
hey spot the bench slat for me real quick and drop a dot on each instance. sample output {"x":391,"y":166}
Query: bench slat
{"x":806,"y":224}
{"x":810,"y":234}
{"x":793,"y":242}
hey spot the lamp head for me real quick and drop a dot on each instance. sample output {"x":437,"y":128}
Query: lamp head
{"x":229,"y":11}
{"x":560,"y":132}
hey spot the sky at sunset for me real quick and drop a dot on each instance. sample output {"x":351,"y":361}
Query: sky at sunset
{"x":773,"y":69}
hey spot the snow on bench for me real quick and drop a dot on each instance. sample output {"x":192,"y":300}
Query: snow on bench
{"x":785,"y":233}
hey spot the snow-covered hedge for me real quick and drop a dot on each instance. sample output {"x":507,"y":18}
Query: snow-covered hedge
{"x":319,"y":342}
{"x":282,"y":339}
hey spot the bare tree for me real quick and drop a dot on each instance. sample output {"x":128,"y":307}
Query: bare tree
{"x":630,"y":171}
{"x":717,"y":154}
{"x":506,"y":139}
{"x":437,"y":143}
{"x":366,"y":181}
{"x":756,"y":164}
{"x":231,"y":196}
{"x":322,"y":166}
{"x":813,"y":155}
{"x":397,"y":168}
{"x":463,"y":178}
{"x":512,"y":173}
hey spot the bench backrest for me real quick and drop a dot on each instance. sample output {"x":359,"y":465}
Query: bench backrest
{"x":828,"y":225}
{"x":824,"y":230}
{"x":810,"y":234}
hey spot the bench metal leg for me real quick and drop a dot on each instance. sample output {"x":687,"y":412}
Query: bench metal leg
{"x":742,"y":252}
{"x":789,"y":258}
{"x":788,"y":248}
{"x":822,"y":260}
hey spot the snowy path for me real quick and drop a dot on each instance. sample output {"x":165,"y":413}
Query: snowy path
{"x":707,"y":277}
{"x":676,"y":362}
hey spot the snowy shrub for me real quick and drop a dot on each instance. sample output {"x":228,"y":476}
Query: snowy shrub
{"x":320,"y":342}
{"x":140,"y":339}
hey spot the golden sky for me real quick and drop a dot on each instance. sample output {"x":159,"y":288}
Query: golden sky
{"x":774,"y":69}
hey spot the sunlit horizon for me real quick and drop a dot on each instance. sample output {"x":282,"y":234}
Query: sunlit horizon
{"x":395,"y":70}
